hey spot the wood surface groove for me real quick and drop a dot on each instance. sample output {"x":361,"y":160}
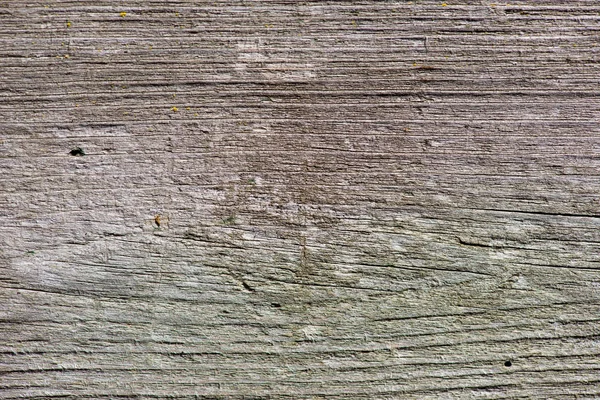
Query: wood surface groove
{"x":299,"y":200}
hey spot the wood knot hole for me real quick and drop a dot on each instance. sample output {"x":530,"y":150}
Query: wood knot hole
{"x":77,"y":151}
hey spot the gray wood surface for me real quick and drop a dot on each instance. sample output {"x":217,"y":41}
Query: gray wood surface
{"x":299,"y":200}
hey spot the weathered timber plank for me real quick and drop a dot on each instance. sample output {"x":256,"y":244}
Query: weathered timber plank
{"x":302,"y":200}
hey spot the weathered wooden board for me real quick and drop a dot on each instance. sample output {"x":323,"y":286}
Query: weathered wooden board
{"x":303,"y":200}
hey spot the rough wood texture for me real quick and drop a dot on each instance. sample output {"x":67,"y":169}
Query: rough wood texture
{"x":302,"y":200}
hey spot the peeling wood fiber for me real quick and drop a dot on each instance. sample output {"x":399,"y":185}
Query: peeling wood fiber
{"x":299,"y":200}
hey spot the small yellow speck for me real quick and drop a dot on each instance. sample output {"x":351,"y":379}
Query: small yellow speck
{"x":187,"y":108}
{"x":76,"y":105}
{"x":68,"y":24}
{"x":123,"y":14}
{"x":150,"y":47}
{"x":174,"y":109}
{"x":444,"y":4}
{"x":195,"y":114}
{"x":174,"y":95}
{"x":67,"y":56}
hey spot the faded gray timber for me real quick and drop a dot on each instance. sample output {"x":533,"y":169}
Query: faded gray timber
{"x":299,"y":200}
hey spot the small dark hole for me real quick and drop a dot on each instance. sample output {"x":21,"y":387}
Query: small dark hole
{"x":507,"y":364}
{"x":77,"y":151}
{"x":276,"y":305}
{"x":248,"y":287}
